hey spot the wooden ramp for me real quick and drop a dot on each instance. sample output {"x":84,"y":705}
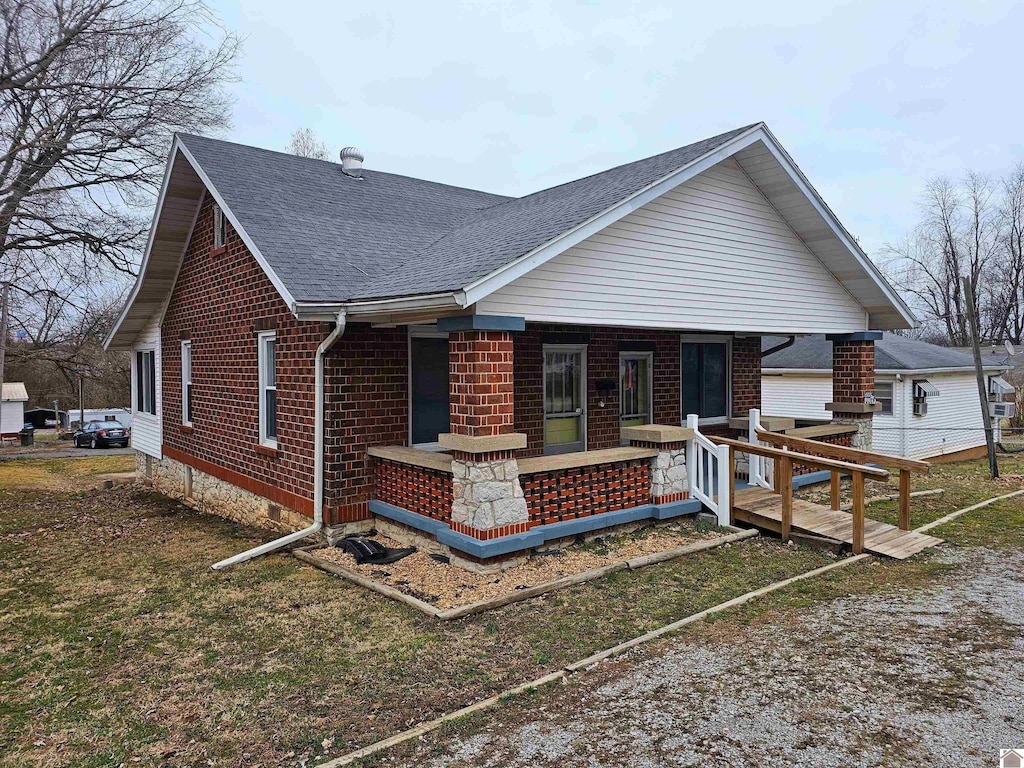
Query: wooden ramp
{"x":763,"y":508}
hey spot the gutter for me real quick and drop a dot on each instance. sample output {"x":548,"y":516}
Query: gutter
{"x":318,"y":462}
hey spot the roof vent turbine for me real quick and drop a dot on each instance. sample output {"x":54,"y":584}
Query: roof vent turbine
{"x":352,"y":162}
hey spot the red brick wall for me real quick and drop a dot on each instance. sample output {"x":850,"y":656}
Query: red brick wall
{"x":570,"y":493}
{"x":423,"y":491}
{"x":845,"y":440}
{"x":603,"y":363}
{"x":746,"y":375}
{"x":218,"y":300}
{"x":367,"y":402}
{"x":853,"y":370}
{"x":480,"y":382}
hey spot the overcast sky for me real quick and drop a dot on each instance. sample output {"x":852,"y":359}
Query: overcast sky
{"x":870,"y":98}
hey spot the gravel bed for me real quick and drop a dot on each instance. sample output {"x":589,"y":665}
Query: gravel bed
{"x":928,"y":675}
{"x":448,"y":586}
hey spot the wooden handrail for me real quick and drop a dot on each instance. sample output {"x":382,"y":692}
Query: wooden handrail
{"x":801,"y":458}
{"x":841,"y":452}
{"x":784,"y":461}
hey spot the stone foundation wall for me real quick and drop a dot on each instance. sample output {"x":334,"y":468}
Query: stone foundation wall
{"x":669,"y":481}
{"x":487,"y":495}
{"x":214,"y":496}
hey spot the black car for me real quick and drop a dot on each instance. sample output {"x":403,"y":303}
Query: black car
{"x":102,"y":434}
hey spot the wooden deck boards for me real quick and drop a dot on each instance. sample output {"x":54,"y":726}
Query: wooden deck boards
{"x":761,"y":507}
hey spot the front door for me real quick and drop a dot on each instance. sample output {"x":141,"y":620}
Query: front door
{"x":565,"y":391}
{"x":635,"y":389}
{"x":428,"y":385}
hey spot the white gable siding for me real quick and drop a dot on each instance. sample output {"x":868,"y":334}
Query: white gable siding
{"x":799,"y":397}
{"x":147,"y":430}
{"x":711,"y":254}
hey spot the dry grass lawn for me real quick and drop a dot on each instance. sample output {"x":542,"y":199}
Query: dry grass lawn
{"x":118,"y":644}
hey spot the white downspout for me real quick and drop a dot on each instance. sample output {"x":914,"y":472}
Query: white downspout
{"x":318,"y":462}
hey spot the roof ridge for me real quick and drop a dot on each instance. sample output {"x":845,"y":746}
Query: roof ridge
{"x":642,"y":159}
{"x":302,"y":158}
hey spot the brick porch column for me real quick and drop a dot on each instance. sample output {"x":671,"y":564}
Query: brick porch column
{"x":853,"y":378}
{"x":487,"y":500}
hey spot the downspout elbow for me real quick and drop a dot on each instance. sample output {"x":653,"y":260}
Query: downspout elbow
{"x":318,"y":461}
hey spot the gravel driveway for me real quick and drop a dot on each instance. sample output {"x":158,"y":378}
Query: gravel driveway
{"x":926,"y":677}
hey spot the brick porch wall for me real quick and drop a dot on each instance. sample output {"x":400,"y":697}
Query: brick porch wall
{"x":424,"y":491}
{"x":567,"y":494}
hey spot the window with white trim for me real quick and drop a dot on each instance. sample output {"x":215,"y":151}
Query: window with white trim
{"x":145,"y":381}
{"x":186,"y":383}
{"x":268,"y":388}
{"x":220,"y":227}
{"x":883,"y":395}
{"x":706,"y":371}
{"x":635,"y":389}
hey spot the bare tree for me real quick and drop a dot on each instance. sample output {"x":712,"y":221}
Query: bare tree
{"x":305,"y":143}
{"x":960,"y":235}
{"x":1010,"y":301}
{"x":90,"y":93}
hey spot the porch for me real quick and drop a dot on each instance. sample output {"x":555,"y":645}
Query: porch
{"x":523,"y":435}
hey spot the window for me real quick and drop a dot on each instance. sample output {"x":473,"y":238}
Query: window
{"x":565,"y":378}
{"x":883,"y":394}
{"x":428,"y":387}
{"x":705,"y":387}
{"x":220,"y":227}
{"x":635,"y":388}
{"x":145,"y":381}
{"x":923,"y":389}
{"x":186,"y":383}
{"x":268,"y":389}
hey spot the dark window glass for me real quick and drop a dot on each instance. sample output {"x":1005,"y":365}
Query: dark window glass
{"x":272,"y":414}
{"x":140,"y":398}
{"x":705,"y":374}
{"x":430,"y":406}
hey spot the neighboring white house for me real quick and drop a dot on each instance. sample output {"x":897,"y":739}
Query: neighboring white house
{"x":121,"y":415}
{"x":929,"y":394}
{"x":12,"y":408}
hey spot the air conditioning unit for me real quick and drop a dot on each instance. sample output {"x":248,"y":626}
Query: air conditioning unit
{"x":1002,"y":410}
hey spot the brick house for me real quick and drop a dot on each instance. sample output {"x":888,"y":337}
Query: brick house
{"x":319,"y":346}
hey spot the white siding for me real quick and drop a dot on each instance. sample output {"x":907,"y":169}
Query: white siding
{"x":954,"y":418}
{"x":799,"y":397}
{"x":886,"y":435}
{"x":953,"y":422}
{"x":12,"y":416}
{"x":711,"y":254}
{"x":147,"y":430}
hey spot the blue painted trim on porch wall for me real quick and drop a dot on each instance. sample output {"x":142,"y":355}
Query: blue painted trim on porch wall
{"x":481,"y":323}
{"x":537,"y":535}
{"x":858,"y":336}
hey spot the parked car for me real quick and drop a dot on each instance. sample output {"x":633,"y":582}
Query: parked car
{"x":102,"y":434}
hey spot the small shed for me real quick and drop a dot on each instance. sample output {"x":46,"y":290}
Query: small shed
{"x":12,"y":408}
{"x":44,"y":418}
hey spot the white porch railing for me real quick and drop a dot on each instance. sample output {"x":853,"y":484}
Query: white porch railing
{"x":707,"y":467}
{"x":761,"y":468}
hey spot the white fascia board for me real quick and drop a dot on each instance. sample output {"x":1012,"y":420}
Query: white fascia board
{"x":804,"y":185}
{"x":504,"y":275}
{"x":149,"y":247}
{"x":249,"y":243}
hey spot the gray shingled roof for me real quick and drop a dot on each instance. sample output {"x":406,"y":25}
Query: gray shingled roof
{"x":330,"y":237}
{"x":892,"y":353}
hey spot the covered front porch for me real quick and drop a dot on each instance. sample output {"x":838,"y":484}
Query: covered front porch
{"x":522,"y":435}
